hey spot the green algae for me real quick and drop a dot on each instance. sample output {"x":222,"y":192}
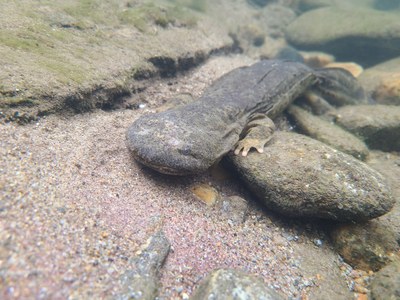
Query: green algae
{"x":162,"y":15}
{"x":68,"y":46}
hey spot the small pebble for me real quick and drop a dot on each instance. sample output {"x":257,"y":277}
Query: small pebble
{"x":205,"y":192}
{"x":318,"y":242}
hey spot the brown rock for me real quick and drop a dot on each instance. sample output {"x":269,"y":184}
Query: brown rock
{"x":382,"y":81}
{"x":366,"y":246}
{"x":205,"y":192}
{"x":353,"y":68}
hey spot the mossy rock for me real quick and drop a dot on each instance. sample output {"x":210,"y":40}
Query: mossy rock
{"x":80,"y":55}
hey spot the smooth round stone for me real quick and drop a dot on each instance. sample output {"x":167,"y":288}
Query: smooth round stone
{"x":363,"y":35}
{"x":300,"y":177}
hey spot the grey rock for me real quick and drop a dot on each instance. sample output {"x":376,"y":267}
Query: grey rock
{"x":365,"y":36}
{"x":224,"y":284}
{"x":377,"y":125}
{"x":299,"y":176}
{"x":313,"y":4}
{"x":233,"y":209}
{"x":387,"y":4}
{"x":366,"y":246}
{"x":386,"y":284}
{"x":328,"y":133}
{"x":141,"y":282}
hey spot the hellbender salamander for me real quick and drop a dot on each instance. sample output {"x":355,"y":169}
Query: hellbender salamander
{"x":235,"y":112}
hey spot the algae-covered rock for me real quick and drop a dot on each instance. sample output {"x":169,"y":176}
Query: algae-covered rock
{"x":377,"y":125}
{"x":366,"y":246}
{"x":227,"y":284}
{"x":79,"y":55}
{"x":365,"y":36}
{"x":301,"y":177}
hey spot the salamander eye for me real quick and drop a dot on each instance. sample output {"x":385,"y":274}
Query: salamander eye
{"x":185,"y":151}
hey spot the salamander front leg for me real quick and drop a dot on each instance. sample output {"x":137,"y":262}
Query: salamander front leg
{"x":257,"y":134}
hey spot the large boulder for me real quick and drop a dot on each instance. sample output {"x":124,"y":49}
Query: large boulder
{"x":301,"y":177}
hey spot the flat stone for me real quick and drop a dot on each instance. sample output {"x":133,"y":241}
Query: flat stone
{"x":300,"y":177}
{"x":366,"y":246}
{"x":377,"y":125}
{"x":234,"y":284}
{"x":386,"y":285}
{"x":328,"y":133}
{"x":362,"y":35}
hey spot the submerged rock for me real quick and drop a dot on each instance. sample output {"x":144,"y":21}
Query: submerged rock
{"x":328,"y":133}
{"x":232,"y":209}
{"x":301,"y":177}
{"x":377,"y":125}
{"x":141,"y":282}
{"x":355,"y":69}
{"x":366,"y":246}
{"x":389,"y":166}
{"x":234,"y":284}
{"x":386,"y":284}
{"x":315,"y":59}
{"x":313,"y":4}
{"x":365,"y":36}
{"x":387,"y":4}
{"x":382,"y":81}
{"x":261,"y":3}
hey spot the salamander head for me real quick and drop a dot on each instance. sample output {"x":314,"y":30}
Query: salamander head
{"x":167,"y":147}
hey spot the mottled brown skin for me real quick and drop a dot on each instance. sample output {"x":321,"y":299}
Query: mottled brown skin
{"x":234,"y":113}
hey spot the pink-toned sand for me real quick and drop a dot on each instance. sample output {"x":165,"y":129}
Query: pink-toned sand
{"x":75,"y":207}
